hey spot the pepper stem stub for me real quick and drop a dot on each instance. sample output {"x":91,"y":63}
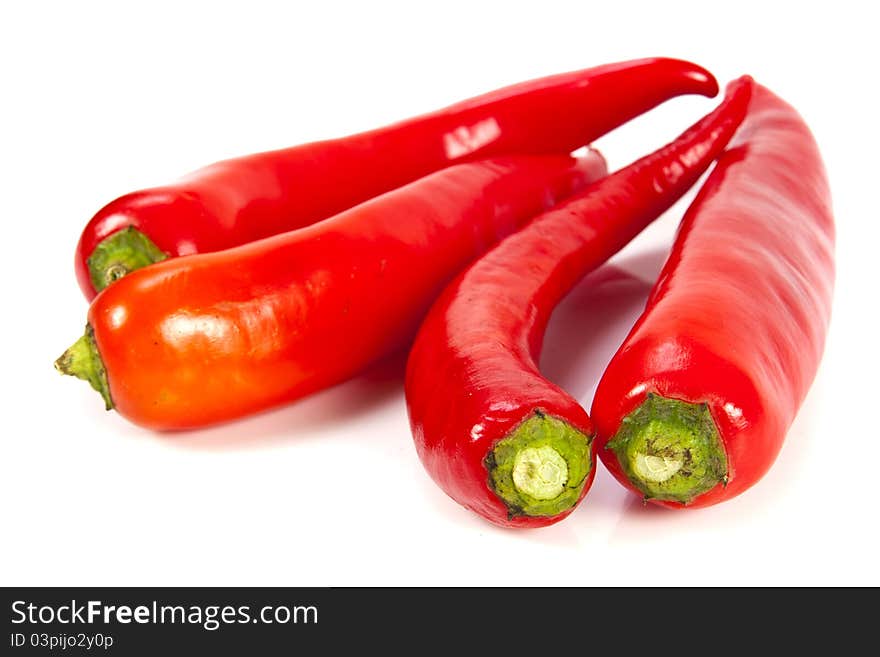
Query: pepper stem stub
{"x":83,"y":361}
{"x":670,"y":449}
{"x":120,"y":254}
{"x":540,"y":468}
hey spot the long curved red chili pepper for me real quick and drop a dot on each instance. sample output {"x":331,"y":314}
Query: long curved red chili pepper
{"x":237,"y":201}
{"x":497,"y":436}
{"x":193,"y":341}
{"x":694,"y":407}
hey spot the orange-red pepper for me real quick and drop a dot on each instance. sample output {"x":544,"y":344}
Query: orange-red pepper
{"x":197,"y":340}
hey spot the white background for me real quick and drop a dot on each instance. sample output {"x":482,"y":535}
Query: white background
{"x":101,"y":99}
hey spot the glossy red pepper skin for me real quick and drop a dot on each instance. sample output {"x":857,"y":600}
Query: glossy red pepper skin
{"x":472,"y":374}
{"x":738,"y":317}
{"x":194,"y":341}
{"x":237,"y":201}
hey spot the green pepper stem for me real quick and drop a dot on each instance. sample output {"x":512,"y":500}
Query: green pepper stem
{"x":670,"y":449}
{"x":540,"y":468}
{"x":83,"y":361}
{"x":120,"y":254}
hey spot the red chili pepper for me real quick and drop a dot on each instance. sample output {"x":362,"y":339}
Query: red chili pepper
{"x":238,"y":201}
{"x":493,"y":433}
{"x":694,"y":406}
{"x":192,"y":341}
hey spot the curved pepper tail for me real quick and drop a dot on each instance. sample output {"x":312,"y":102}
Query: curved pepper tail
{"x":704,"y":82}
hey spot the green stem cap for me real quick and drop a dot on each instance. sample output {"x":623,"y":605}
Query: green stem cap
{"x":120,"y":254}
{"x":83,"y":361}
{"x":670,"y":449}
{"x":540,"y":468}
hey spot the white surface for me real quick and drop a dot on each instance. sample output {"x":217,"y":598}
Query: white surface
{"x":102,"y":99}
